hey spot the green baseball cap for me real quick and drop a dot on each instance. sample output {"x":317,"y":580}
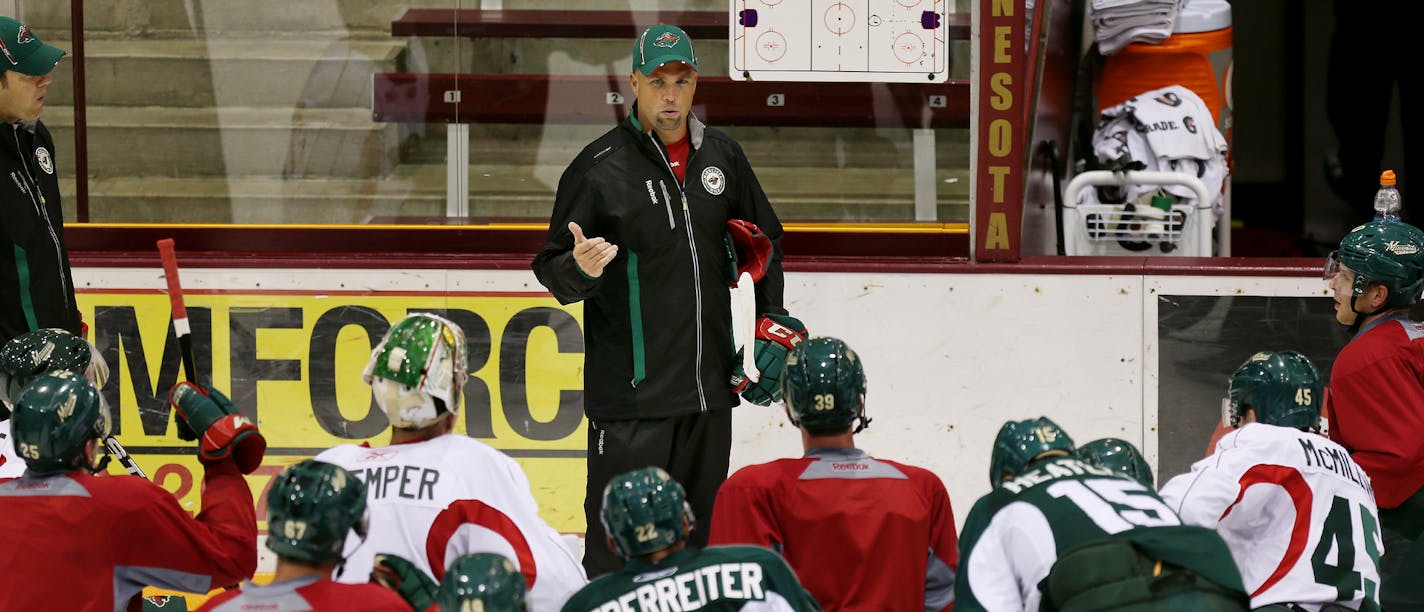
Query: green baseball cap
{"x":22,"y":51}
{"x":661,"y":44}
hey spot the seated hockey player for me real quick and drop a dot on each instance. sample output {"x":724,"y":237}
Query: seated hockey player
{"x":1118,"y":455}
{"x":478,"y":581}
{"x":1295,"y":509}
{"x":890,"y":525}
{"x":435,"y":495}
{"x":647,"y":519}
{"x":1108,"y":530}
{"x":311,"y":508}
{"x":74,"y":541}
{"x":29,"y":355}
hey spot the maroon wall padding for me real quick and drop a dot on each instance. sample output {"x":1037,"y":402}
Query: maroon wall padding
{"x":583,"y":99}
{"x":512,"y":248}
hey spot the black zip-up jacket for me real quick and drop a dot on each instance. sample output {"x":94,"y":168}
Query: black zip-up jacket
{"x":657,"y":322}
{"x":36,"y":287}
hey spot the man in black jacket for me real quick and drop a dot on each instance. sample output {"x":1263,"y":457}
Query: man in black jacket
{"x":637,"y":235}
{"x":36,"y":288}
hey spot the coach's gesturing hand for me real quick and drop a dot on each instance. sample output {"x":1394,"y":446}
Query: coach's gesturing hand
{"x":591,"y":254}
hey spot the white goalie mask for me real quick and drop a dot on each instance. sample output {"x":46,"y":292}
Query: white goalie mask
{"x":418,"y":371}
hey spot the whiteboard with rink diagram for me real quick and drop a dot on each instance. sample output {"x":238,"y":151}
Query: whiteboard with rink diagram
{"x":905,"y":41}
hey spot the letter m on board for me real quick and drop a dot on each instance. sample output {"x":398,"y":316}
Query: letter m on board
{"x":116,"y":334}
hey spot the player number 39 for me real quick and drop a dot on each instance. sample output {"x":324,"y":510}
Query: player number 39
{"x":824,"y":401}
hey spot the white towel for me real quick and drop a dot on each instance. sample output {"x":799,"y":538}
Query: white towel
{"x":1167,"y":129}
{"x":1118,"y":23}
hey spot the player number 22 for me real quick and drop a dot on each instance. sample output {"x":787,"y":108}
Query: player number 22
{"x":646,"y":532}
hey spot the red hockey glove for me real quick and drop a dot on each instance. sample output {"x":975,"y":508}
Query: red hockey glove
{"x":208,"y":415}
{"x":748,"y":249}
{"x":776,"y":336}
{"x":407,"y":580}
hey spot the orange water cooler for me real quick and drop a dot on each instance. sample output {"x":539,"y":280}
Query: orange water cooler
{"x":1197,"y":56}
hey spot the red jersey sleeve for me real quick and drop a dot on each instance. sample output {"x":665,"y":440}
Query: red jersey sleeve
{"x":743,"y":513}
{"x":1377,"y":399}
{"x":160,"y":544}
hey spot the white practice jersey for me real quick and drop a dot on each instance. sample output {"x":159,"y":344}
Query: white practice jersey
{"x":11,"y":465}
{"x":1297,"y":512}
{"x":435,"y":500}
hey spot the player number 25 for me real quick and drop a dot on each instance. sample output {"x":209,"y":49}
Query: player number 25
{"x":29,"y":451}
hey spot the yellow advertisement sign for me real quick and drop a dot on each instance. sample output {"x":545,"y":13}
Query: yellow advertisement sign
{"x":292,"y":361}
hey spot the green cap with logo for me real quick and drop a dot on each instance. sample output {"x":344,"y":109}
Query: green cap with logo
{"x":661,"y":44}
{"x":22,"y":51}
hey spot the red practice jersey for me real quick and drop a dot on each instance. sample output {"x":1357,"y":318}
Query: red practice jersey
{"x":861,"y":533}
{"x":1377,"y":405}
{"x":79,"y":542}
{"x":307,"y":594}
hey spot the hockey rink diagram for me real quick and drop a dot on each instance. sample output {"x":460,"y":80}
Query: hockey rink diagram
{"x":840,"y":40}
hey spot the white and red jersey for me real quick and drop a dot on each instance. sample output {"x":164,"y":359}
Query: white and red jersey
{"x":1297,"y":512}
{"x":11,"y":465}
{"x":434,"y":500}
{"x":303,"y":594}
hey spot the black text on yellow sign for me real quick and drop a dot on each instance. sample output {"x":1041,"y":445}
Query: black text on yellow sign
{"x":293,"y":363}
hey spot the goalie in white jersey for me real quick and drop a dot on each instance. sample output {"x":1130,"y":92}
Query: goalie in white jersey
{"x":1297,"y":512}
{"x":436,"y":495}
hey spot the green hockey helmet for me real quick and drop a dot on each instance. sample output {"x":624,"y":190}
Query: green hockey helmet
{"x":311,"y":507}
{"x":55,"y":416}
{"x":1117,"y":455}
{"x":644,"y":511}
{"x":31,"y":354}
{"x":1390,"y":253}
{"x":1020,"y":442}
{"x":824,"y":386}
{"x":417,"y":372}
{"x":482,"y":581}
{"x":1283,"y":387}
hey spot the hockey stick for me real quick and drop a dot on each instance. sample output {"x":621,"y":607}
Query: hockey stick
{"x":180,"y":312}
{"x":125,"y":459}
{"x":746,"y":312}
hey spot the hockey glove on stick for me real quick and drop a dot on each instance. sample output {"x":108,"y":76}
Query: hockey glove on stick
{"x":748,"y":250}
{"x":399,"y":575}
{"x":210,"y":417}
{"x":776,"y":336}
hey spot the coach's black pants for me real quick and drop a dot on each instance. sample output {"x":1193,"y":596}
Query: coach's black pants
{"x":693,"y":448}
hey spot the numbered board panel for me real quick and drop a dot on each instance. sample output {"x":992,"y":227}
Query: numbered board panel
{"x":905,"y":41}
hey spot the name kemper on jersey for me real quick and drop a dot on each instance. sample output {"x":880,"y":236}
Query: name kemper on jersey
{"x":1053,"y":470}
{"x":692,"y":590}
{"x":1336,"y":460}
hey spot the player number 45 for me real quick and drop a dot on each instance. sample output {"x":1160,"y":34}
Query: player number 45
{"x":1302,"y":396}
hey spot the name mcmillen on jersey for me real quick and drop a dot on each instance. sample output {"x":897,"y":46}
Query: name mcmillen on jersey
{"x":1335,"y":460}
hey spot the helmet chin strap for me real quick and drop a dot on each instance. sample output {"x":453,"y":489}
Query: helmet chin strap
{"x":1361,"y":316}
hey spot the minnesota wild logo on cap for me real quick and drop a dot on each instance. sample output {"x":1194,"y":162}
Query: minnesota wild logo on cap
{"x":23,"y":52}
{"x":661,"y":44}
{"x":668,"y":39}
